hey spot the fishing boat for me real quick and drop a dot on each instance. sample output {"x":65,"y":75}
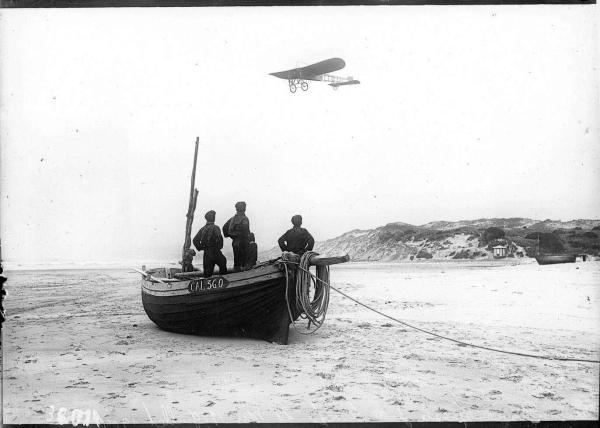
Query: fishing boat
{"x":260,"y":302}
{"x":257,"y":303}
{"x":550,"y":259}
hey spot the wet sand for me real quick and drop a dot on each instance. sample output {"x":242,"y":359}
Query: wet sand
{"x":77,"y":344}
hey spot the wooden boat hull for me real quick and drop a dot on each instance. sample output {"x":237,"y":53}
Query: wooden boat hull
{"x":550,"y":259}
{"x":252,"y":304}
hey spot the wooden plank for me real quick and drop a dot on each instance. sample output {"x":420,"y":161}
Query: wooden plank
{"x":149,"y":277}
{"x":231,"y":276}
{"x":194,"y":274}
{"x":323,"y":260}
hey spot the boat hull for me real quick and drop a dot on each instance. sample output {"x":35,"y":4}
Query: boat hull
{"x":253,"y":304}
{"x":550,"y":259}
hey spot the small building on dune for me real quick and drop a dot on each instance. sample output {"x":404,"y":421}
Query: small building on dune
{"x":499,"y":251}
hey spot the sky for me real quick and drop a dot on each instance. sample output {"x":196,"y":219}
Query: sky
{"x":462,"y":113}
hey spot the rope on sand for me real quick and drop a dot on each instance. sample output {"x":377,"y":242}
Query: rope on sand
{"x":521,"y":354}
{"x":313,"y":309}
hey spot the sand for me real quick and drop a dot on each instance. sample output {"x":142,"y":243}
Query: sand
{"x":77,"y":344}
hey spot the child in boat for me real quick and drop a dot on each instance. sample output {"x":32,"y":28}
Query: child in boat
{"x":252,"y":251}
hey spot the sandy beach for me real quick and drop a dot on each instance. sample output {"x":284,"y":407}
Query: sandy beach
{"x":78,"y":344}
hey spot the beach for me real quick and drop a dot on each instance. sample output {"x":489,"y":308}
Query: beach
{"x":78,"y":346}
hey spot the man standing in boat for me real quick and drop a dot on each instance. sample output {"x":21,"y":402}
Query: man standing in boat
{"x":252,"y":251}
{"x":238,"y":229}
{"x":297,"y":240}
{"x":210,"y":240}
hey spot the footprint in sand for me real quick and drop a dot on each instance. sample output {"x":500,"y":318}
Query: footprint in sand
{"x":548,"y":395}
{"x":325,"y":375}
{"x":341,"y":366}
{"x":513,"y":378}
{"x":413,"y":357}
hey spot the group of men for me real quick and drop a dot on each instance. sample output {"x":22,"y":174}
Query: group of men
{"x":210,"y":240}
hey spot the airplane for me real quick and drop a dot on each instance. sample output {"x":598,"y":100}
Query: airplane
{"x":318,"y":72}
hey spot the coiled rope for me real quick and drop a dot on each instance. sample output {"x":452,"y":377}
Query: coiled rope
{"x":521,"y":354}
{"x":314,"y":309}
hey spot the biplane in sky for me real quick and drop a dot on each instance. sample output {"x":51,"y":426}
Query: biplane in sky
{"x":318,"y":72}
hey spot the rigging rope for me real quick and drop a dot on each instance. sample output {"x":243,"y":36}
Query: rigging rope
{"x":313,"y":309}
{"x":522,"y":354}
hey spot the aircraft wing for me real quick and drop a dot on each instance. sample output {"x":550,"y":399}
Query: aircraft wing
{"x":349,"y":82}
{"x":311,"y":71}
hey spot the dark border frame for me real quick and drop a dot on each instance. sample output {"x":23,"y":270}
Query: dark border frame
{"x":225,"y":3}
{"x":516,"y":424}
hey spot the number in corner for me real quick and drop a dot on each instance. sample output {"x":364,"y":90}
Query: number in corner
{"x":76,"y":417}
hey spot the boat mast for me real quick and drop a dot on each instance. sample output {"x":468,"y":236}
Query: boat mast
{"x":191,"y":208}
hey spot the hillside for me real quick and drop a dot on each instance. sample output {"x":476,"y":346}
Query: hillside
{"x":465,"y":239}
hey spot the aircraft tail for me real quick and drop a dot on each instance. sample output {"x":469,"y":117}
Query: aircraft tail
{"x":349,"y":82}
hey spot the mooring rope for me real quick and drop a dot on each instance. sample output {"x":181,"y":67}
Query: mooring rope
{"x":314,"y":309}
{"x":521,"y":354}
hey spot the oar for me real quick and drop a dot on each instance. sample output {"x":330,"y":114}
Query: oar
{"x":147,"y":275}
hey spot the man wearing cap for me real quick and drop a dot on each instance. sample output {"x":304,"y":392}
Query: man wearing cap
{"x":297,"y":240}
{"x":210,"y":240}
{"x":238,"y":229}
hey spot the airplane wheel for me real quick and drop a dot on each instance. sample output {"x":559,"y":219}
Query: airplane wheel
{"x":292,"y":88}
{"x":304,"y":86}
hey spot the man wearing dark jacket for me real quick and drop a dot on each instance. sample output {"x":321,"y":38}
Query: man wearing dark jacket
{"x":209,"y":240}
{"x":297,"y":240}
{"x":238,"y":229}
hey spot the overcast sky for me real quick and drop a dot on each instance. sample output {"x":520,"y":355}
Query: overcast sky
{"x":462,"y":112}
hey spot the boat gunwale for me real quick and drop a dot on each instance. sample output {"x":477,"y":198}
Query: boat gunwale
{"x":235,"y":279}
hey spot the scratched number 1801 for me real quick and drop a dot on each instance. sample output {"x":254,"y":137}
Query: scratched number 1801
{"x":73,"y":417}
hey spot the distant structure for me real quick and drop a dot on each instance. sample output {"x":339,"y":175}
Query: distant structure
{"x":499,"y":251}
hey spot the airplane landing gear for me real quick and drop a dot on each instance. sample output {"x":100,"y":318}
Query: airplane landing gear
{"x":293,"y":82}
